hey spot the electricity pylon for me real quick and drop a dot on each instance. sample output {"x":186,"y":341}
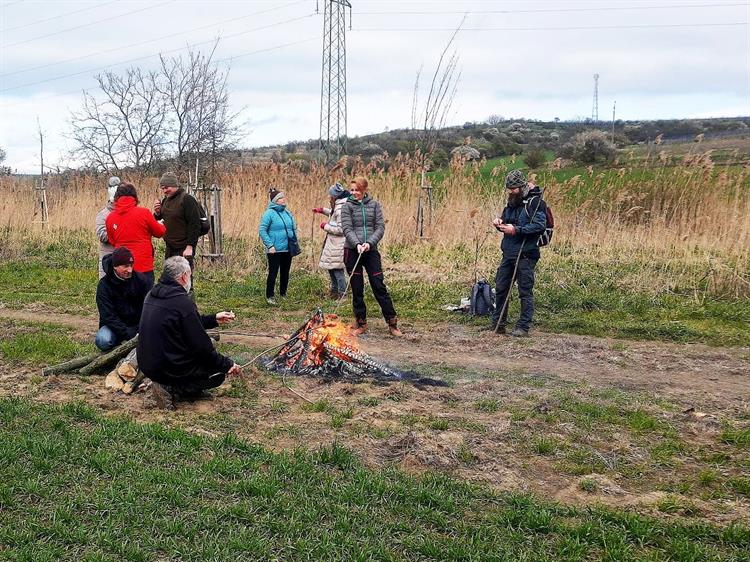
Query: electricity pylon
{"x":333,"y":84}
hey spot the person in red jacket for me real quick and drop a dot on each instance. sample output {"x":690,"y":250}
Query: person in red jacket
{"x":132,"y":226}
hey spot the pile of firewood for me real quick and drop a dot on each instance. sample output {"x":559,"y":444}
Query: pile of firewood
{"x":99,"y":361}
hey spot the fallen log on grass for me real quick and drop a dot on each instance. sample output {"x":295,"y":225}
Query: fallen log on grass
{"x":71,"y":365}
{"x":117,"y":353}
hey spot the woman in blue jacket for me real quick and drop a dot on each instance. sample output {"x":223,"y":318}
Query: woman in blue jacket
{"x":276,"y":227}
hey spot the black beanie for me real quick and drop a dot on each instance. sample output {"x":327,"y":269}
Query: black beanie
{"x":122,"y":256}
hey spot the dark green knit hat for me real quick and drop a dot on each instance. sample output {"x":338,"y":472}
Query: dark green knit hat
{"x":515,"y":179}
{"x":169,"y":179}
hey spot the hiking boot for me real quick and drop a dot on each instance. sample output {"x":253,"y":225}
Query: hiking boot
{"x":358,"y":327}
{"x":194,"y":395}
{"x":272,"y":301}
{"x":491,"y":328}
{"x":519,"y":333}
{"x":162,"y":395}
{"x":393,"y":328}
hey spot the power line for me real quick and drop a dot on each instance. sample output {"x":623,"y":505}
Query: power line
{"x":566,"y":28}
{"x":112,"y":50}
{"x":225,"y":59}
{"x":153,"y":54}
{"x":58,"y":16}
{"x":110,"y":18}
{"x":548,"y":10}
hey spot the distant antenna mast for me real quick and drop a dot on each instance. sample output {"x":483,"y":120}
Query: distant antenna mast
{"x":595,"y":105}
{"x":614,"y":105}
{"x":333,"y":84}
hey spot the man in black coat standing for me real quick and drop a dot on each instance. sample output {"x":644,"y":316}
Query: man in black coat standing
{"x":174,"y":350}
{"x":119,"y":298}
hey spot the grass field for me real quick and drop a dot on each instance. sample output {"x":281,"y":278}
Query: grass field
{"x":643,"y":440}
{"x":76,"y":486}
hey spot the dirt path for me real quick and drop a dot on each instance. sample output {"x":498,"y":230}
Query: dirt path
{"x":505,"y":396}
{"x":690,"y":374}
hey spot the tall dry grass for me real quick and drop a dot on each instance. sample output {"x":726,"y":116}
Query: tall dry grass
{"x":690,"y":217}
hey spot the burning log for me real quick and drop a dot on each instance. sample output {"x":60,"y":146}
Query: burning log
{"x":324,"y":347}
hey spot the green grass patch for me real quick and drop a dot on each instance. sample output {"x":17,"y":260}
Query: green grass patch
{"x":40,"y":343}
{"x":487,"y":405}
{"x":739,"y":437}
{"x":188,"y":497}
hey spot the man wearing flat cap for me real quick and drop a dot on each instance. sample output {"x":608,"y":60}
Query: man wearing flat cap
{"x":182,"y":217}
{"x":119,"y":298}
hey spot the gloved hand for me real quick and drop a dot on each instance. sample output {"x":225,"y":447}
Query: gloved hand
{"x":323,"y":225}
{"x":318,"y":210}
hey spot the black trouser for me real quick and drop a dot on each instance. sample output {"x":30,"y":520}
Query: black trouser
{"x":149,"y":275}
{"x":201,"y":377}
{"x":278,"y":261}
{"x":370,"y":261}
{"x":525,"y":282}
{"x":170,"y":252}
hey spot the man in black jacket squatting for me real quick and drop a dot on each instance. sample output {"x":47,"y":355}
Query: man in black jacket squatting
{"x":174,"y":350}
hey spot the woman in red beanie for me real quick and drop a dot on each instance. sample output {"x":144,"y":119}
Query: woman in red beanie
{"x":132,"y":226}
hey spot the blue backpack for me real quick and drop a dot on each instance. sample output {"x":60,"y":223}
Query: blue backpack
{"x":482,"y":302}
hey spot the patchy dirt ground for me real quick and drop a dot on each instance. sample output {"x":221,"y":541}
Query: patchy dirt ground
{"x":580,"y":419}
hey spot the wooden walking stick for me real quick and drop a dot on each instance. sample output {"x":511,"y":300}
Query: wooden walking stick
{"x":312,"y":243}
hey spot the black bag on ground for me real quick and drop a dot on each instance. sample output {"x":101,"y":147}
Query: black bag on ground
{"x":482,"y":302}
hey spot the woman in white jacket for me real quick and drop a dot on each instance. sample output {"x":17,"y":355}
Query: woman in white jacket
{"x":332,"y":257}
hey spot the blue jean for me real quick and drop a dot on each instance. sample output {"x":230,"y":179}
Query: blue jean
{"x":338,"y":281}
{"x":105,"y":339}
{"x":525,"y":280}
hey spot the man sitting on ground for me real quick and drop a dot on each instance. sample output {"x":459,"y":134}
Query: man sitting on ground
{"x":174,"y":350}
{"x":119,"y":298}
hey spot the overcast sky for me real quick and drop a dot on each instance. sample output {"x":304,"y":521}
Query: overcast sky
{"x":530,"y":58}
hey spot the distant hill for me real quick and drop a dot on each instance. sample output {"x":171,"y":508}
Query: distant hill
{"x":501,"y":137}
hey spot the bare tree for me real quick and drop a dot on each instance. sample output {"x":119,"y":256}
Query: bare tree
{"x":428,"y":120}
{"x":127,"y":128}
{"x":195,"y":90}
{"x":97,"y":133}
{"x":180,"y":110}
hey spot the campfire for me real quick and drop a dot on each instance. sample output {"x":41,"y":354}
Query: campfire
{"x":324,"y":347}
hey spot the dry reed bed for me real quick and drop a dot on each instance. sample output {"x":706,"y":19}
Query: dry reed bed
{"x":694,"y":217}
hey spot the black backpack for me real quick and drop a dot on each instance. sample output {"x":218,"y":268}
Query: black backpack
{"x":205,"y":223}
{"x":546,"y":236}
{"x":481,"y":299}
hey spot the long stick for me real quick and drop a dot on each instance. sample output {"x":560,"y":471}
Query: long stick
{"x":312,"y":243}
{"x":70,"y":365}
{"x":120,"y":351}
{"x":349,"y":282}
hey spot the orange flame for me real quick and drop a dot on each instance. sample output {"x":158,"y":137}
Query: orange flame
{"x":331,"y":331}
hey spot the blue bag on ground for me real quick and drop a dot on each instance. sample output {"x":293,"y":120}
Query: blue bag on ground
{"x":482,"y":301}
